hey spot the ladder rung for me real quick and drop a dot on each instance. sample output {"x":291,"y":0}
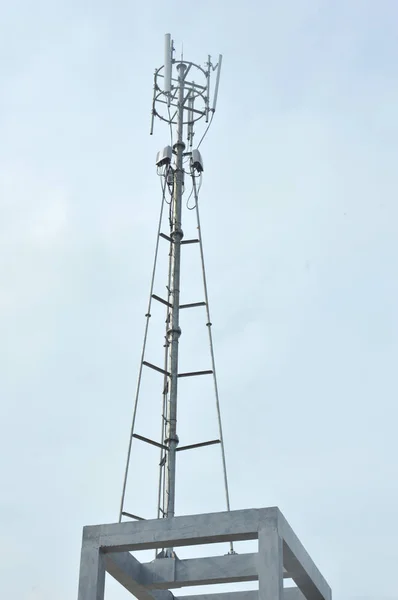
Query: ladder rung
{"x":165,"y":237}
{"x":193,"y":373}
{"x":200,"y":445}
{"x":126,"y":514}
{"x":159,"y":299}
{"x":148,"y":441}
{"x":169,"y":239}
{"x":192,"y":304}
{"x":155,"y":368}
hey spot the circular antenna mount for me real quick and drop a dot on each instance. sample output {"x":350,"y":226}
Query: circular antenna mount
{"x":196,"y":100}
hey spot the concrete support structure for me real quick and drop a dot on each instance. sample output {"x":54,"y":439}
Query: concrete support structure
{"x":106,"y":548}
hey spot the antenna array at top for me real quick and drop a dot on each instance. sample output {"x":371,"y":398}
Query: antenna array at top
{"x":199,"y":100}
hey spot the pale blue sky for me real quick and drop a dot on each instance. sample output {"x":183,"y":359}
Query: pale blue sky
{"x":300,"y":227}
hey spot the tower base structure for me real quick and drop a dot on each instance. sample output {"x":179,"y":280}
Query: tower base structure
{"x":280,"y":556}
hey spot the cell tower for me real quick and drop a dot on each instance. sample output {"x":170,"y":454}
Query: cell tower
{"x":184,"y":94}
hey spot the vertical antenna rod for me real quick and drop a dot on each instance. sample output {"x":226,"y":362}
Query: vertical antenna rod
{"x":217,"y":82}
{"x":174,"y":331}
{"x":167,"y":63}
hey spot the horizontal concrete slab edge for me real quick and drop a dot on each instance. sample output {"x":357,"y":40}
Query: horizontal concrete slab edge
{"x":180,"y":531}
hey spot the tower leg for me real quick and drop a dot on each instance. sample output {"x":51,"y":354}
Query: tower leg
{"x":270,"y":563}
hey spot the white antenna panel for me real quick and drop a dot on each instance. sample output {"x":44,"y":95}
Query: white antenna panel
{"x":217,"y":82}
{"x":167,"y":63}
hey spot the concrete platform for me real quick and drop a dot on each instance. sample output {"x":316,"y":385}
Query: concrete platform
{"x":106,"y":548}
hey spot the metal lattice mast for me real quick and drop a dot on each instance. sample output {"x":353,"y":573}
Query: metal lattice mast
{"x":180,"y":102}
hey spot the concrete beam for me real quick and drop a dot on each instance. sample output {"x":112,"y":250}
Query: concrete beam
{"x":270,"y":562}
{"x":181,"y":531}
{"x":174,"y":573}
{"x":292,"y":593}
{"x":127,"y":570}
{"x":92,"y":571}
{"x":166,"y":573}
{"x":299,"y":564}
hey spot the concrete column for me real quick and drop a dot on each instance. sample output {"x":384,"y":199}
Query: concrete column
{"x":92,"y":572}
{"x":270,"y":562}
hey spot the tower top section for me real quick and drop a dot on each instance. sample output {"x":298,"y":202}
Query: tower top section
{"x":200,"y":84}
